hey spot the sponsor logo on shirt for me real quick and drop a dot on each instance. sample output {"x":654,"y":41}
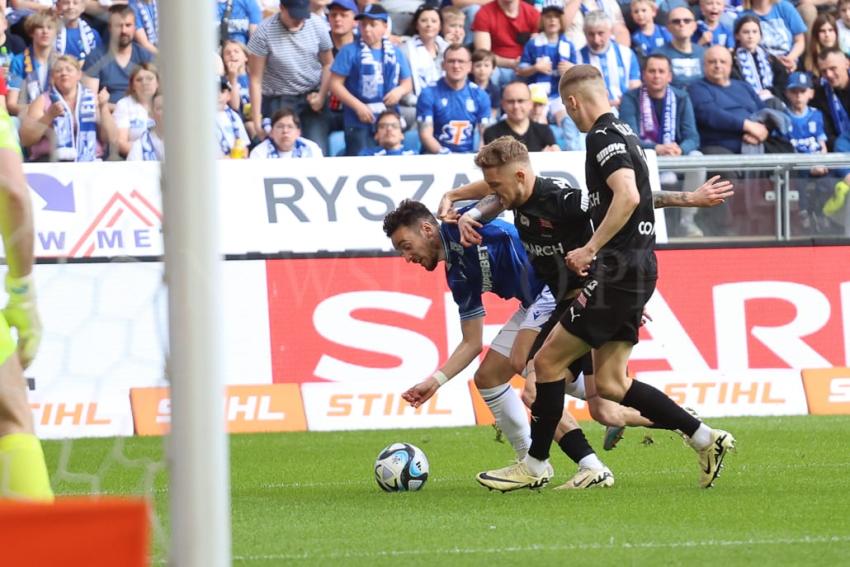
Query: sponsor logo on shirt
{"x":609,"y":151}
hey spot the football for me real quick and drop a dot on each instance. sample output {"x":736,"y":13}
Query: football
{"x":401,"y":467}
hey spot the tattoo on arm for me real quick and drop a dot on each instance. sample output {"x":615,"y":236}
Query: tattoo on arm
{"x":661,"y":199}
{"x":490,"y":207}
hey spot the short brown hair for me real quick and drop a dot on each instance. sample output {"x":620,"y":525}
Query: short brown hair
{"x":39,"y":20}
{"x":576,"y":75}
{"x":451,"y":12}
{"x":409,"y":213}
{"x":486,"y":55}
{"x":502,"y":151}
{"x":283,"y":113}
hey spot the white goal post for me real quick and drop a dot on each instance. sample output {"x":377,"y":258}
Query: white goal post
{"x":197,"y":451}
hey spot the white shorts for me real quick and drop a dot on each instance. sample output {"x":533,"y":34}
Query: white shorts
{"x":532,"y":318}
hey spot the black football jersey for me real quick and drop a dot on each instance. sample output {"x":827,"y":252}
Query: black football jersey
{"x":630,"y":254}
{"x":552,"y":222}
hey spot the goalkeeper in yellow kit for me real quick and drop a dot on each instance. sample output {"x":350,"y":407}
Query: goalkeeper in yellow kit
{"x":23,"y":473}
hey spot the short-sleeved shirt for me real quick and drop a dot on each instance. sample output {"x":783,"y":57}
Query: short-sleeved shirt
{"x":498,"y":265}
{"x":507,"y":35}
{"x":101,"y":65}
{"x":536,"y":138}
{"x":646,"y":44}
{"x":74,"y":44}
{"x":293,"y":66}
{"x":687,"y":67}
{"x":720,"y":35}
{"x":630,"y":254}
{"x":244,"y":14}
{"x":779,"y":26}
{"x":540,"y":47}
{"x":131,"y":115}
{"x":361,"y":79}
{"x":455,"y":114}
{"x":618,"y":65}
{"x":553,"y":221}
{"x":806,"y":131}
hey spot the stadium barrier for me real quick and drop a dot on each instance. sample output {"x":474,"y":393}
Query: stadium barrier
{"x":331,"y":343}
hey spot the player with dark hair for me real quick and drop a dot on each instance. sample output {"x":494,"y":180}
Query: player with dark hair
{"x":22,"y":469}
{"x":619,"y":262}
{"x":499,"y":265}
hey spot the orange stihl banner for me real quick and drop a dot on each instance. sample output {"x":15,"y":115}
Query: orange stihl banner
{"x":827,"y":390}
{"x":248,"y":409}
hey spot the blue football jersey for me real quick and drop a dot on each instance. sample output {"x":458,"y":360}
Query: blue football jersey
{"x":498,"y":265}
{"x":806,"y":131}
{"x":539,"y":47}
{"x":454,"y":114}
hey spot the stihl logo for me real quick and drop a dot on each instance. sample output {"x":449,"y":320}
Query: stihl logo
{"x":124,"y":224}
{"x":383,"y":404}
{"x":49,"y":413}
{"x":839,"y":391}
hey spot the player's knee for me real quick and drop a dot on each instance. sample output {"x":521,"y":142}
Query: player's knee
{"x":485,"y":380}
{"x":599,"y":414}
{"x":610,"y":389}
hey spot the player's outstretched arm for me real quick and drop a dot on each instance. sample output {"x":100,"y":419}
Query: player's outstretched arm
{"x":470,"y":191}
{"x":16,"y":228}
{"x":713,"y":192}
{"x":470,"y":347}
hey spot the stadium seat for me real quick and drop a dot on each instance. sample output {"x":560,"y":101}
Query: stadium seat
{"x":411,"y":140}
{"x":336,"y":143}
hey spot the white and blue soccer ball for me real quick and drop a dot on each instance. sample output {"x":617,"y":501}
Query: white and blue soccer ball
{"x":401,"y":467}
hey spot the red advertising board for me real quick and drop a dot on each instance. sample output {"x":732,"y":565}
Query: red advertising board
{"x":358,"y":319}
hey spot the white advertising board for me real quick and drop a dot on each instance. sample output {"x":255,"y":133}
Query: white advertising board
{"x":306,"y":205}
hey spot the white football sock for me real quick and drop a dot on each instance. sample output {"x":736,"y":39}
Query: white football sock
{"x":591,"y":462}
{"x":536,"y":466}
{"x":701,"y":437}
{"x":510,"y":415}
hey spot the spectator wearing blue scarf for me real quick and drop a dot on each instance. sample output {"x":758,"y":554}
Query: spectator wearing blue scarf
{"x":663,"y":118}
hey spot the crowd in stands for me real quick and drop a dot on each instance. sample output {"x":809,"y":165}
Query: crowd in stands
{"x":312,"y":78}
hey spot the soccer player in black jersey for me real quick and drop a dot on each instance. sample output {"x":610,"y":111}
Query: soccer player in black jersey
{"x":619,"y":260}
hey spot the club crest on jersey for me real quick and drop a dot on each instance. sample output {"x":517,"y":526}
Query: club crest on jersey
{"x":545,"y":224}
{"x":470,"y":105}
{"x":624,"y":129}
{"x":523,"y":220}
{"x":444,"y":101}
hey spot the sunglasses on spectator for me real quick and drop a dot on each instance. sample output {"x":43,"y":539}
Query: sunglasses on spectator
{"x":681,"y":21}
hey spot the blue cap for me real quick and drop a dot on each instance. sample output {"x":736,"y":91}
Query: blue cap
{"x":557,"y":5}
{"x":799,"y":80}
{"x":298,"y":9}
{"x":373,"y":12}
{"x":345,"y":5}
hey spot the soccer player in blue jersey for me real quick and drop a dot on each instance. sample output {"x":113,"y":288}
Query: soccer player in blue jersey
{"x":499,"y":265}
{"x":450,"y":111}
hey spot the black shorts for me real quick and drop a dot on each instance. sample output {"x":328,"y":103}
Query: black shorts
{"x":603,"y":313}
{"x":584,"y":365}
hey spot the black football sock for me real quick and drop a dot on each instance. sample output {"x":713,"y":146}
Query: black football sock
{"x":546,"y":412}
{"x":575,"y":445}
{"x":656,"y":406}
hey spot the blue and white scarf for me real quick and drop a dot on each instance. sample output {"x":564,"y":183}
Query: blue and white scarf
{"x":150,"y":19}
{"x":299,"y":150}
{"x":150,"y":146}
{"x":755,"y":68}
{"x":224,"y":143}
{"x":651,"y":130}
{"x":35,"y":79}
{"x":373,"y":84}
{"x":836,"y":110}
{"x":615,"y":85}
{"x":87,"y":39}
{"x":78,"y":130}
{"x":426,"y":69}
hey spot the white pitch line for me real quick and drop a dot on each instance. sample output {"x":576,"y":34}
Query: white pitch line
{"x":543,"y":547}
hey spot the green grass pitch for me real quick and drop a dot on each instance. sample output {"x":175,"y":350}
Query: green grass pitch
{"x":311,"y":499}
